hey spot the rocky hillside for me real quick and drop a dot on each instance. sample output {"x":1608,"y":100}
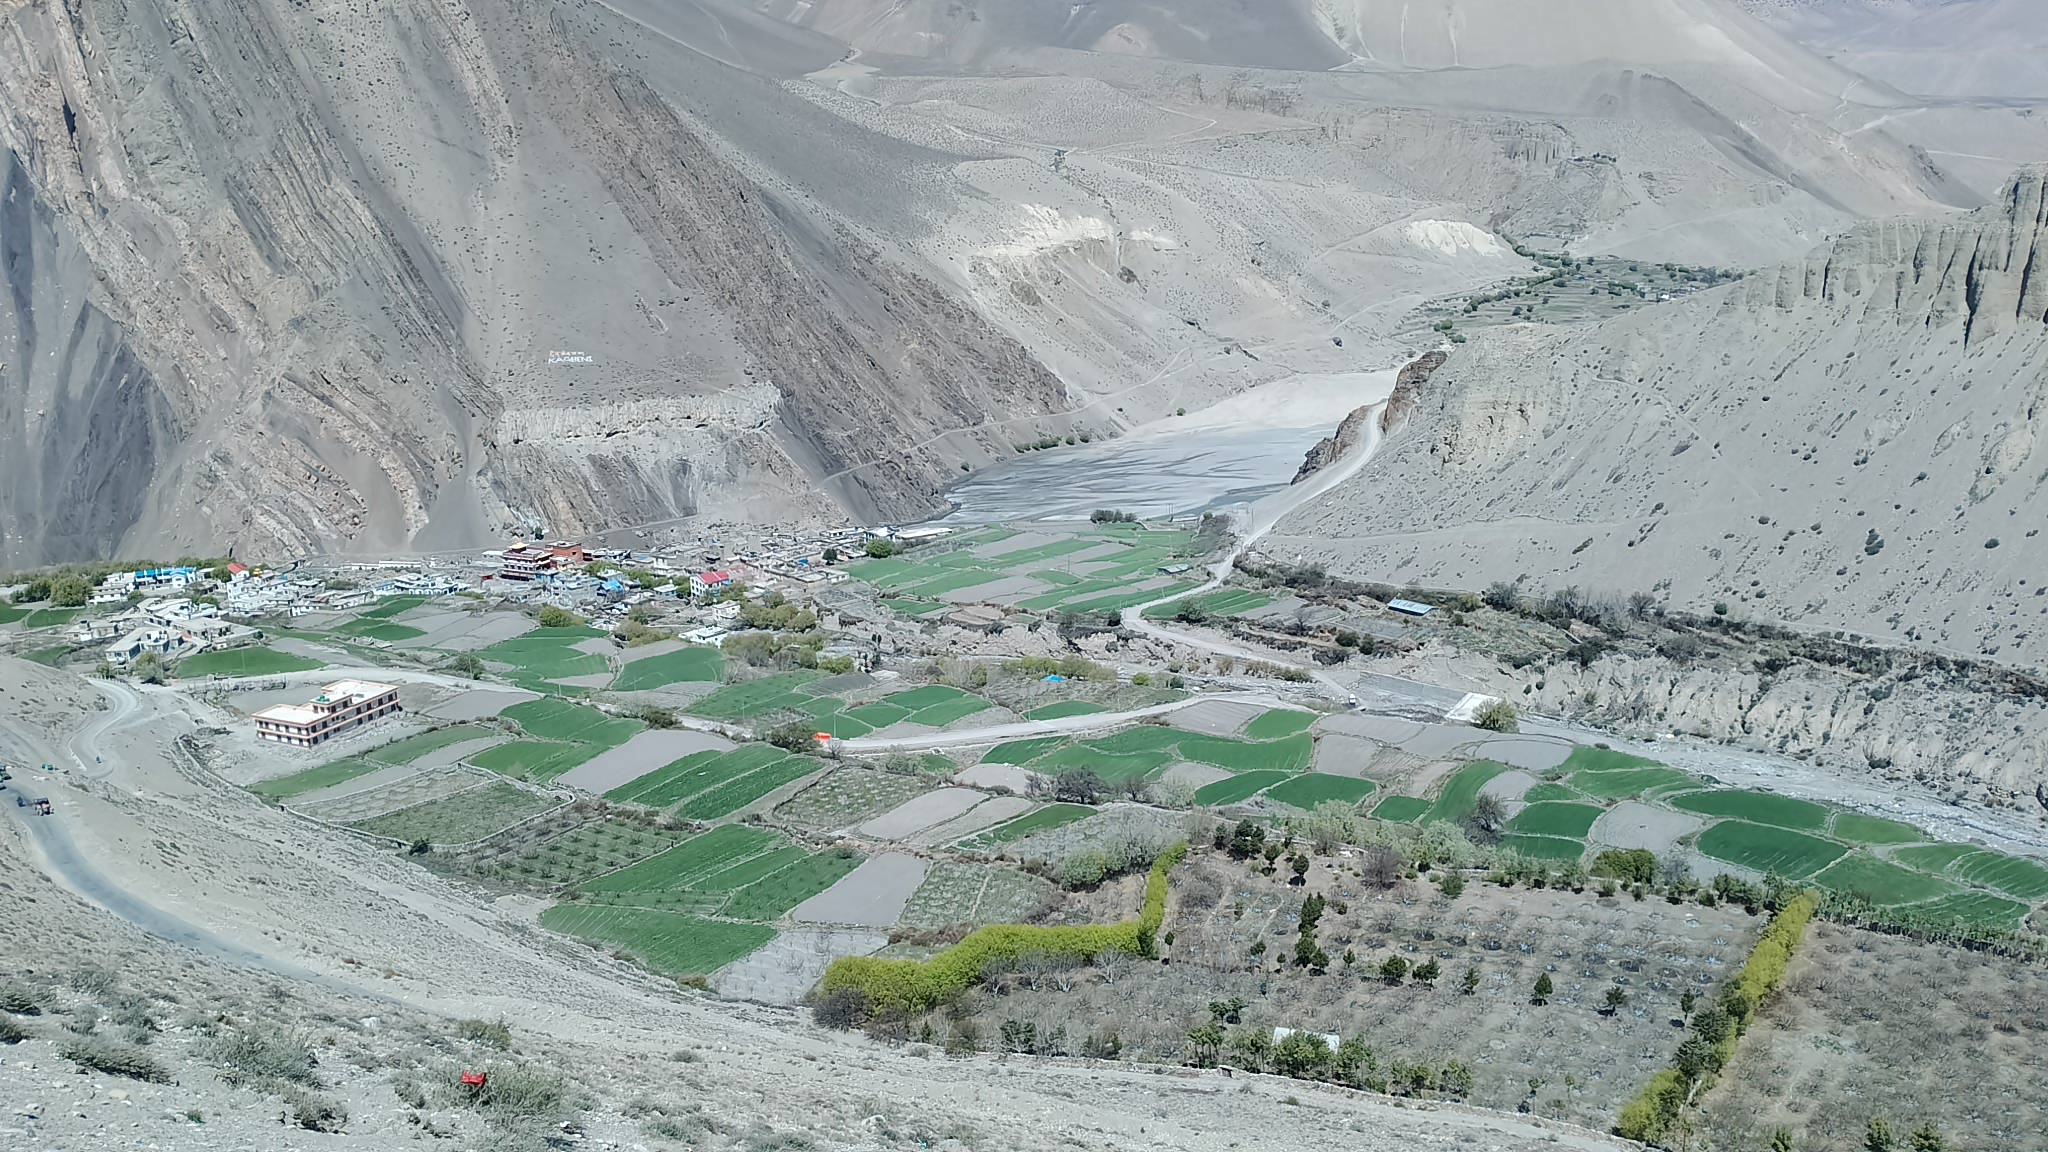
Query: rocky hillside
{"x":1850,"y":441}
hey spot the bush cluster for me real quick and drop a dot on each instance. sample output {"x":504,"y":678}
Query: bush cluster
{"x":913,"y":986}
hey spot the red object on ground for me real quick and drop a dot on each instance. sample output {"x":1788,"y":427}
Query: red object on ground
{"x":473,"y":1079}
{"x":821,"y":736}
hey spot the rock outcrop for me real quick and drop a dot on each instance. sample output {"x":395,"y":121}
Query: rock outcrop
{"x":1407,"y":387}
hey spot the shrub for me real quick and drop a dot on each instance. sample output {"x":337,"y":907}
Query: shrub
{"x":518,"y":1094}
{"x":840,"y":1009}
{"x":915,"y":986}
{"x":261,"y":1054}
{"x":1632,"y":866}
{"x":881,"y":549}
{"x":1497,"y":716}
{"x":103,"y":1055}
{"x":553,"y":617}
{"x":11,"y":1031}
{"x":490,"y":1033}
{"x":20,"y":1001}
{"x":314,"y":1112}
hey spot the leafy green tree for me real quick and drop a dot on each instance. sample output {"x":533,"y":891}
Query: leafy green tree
{"x":1498,"y":716}
{"x":1205,"y":1041}
{"x":1453,"y":885}
{"x":1394,"y":970}
{"x":881,"y":549}
{"x":831,"y":555}
{"x":70,"y":592}
{"x":467,"y":664}
{"x":1879,"y":1137}
{"x":1543,"y":989}
{"x":1470,"y":983}
{"x":1251,"y":1048}
{"x":1615,"y":998}
{"x":1302,"y":1055}
{"x":552,"y":616}
{"x":149,"y":668}
{"x":1352,"y":1061}
{"x":1426,"y":973}
{"x":34,"y":592}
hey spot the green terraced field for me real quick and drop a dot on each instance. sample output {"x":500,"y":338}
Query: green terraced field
{"x":1050,"y":816}
{"x":1064,"y":708}
{"x":547,"y":654}
{"x":1931,"y":857}
{"x":536,"y":760}
{"x":666,"y":942}
{"x":1289,"y":755}
{"x":459,"y":819}
{"x":926,"y":697}
{"x":2008,"y":874}
{"x":878,"y":714}
{"x":1223,"y":602}
{"x":1552,"y":818}
{"x":1242,"y":786}
{"x":1544,"y":847}
{"x":1762,"y":848}
{"x":413,"y":747}
{"x":681,"y":779}
{"x":841,"y":727}
{"x":1588,"y":759}
{"x":689,"y":862}
{"x":313,"y":779}
{"x":1857,"y":828}
{"x":1313,"y":788}
{"x":771,"y":897}
{"x":1401,"y":809}
{"x":552,"y":719}
{"x":1755,"y":807}
{"x":1627,"y":783}
{"x":1277,"y":723}
{"x":1548,"y":791}
{"x":1454,"y":801}
{"x":747,"y":871}
{"x":947,"y":711}
{"x":51,"y":617}
{"x":683,"y":666}
{"x":1879,"y":882}
{"x":750,"y":698}
{"x":383,"y":630}
{"x":741,"y":791}
{"x":244,"y":662}
{"x":913,"y":607}
{"x":1972,"y":908}
{"x":1112,"y":767}
{"x":1022,"y":751}
{"x":1144,"y":738}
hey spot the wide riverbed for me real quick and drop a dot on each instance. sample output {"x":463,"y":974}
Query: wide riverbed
{"x":1232,"y":452}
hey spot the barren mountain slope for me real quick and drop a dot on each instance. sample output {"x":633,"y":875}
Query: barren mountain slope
{"x":1959,"y":48}
{"x":1849,"y":441}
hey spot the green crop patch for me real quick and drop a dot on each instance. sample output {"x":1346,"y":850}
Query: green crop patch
{"x":928,"y":696}
{"x":2008,"y":874}
{"x":1548,"y":791}
{"x":1050,"y":816}
{"x":741,"y":791}
{"x":771,"y":897}
{"x":878,"y":714}
{"x":394,"y":606}
{"x":1291,"y":754}
{"x":1459,"y":793}
{"x":685,"y":864}
{"x":1401,"y":809}
{"x":313,"y":779}
{"x":1278,"y":722}
{"x":552,"y":719}
{"x":1971,"y":908}
{"x":751,"y":698}
{"x":459,"y":819}
{"x":1022,"y":751}
{"x":1145,"y":738}
{"x":50,"y":617}
{"x":841,"y":727}
{"x":1242,"y":786}
{"x":1112,"y":767}
{"x":913,"y":607}
{"x":244,"y":662}
{"x":681,"y":779}
{"x":1627,"y":783}
{"x":383,"y":630}
{"x":1857,"y":828}
{"x":1544,"y":847}
{"x":1931,"y":857}
{"x":1585,"y":759}
{"x":747,"y":871}
{"x":1313,"y":788}
{"x":536,"y":760}
{"x":413,"y":747}
{"x":1552,"y":818}
{"x":1763,"y":848}
{"x":683,"y":666}
{"x":1879,"y":882}
{"x":948,"y":711}
{"x":1063,"y":709}
{"x":1224,"y":602}
{"x":1755,"y":807}
{"x":9,"y":613}
{"x":546,"y":654}
{"x":664,"y":941}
